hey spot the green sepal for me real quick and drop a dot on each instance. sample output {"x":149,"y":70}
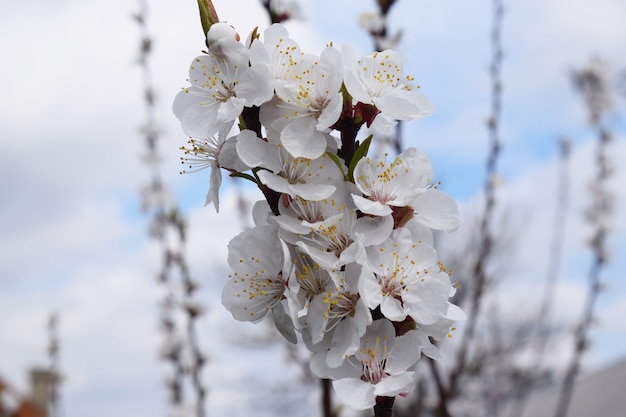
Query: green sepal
{"x":346,"y":109}
{"x":207,"y":15}
{"x":337,"y":162}
{"x":360,"y":152}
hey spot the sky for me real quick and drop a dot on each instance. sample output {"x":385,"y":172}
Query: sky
{"x":73,"y":239}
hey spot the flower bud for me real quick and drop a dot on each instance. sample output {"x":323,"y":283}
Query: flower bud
{"x":219,"y":31}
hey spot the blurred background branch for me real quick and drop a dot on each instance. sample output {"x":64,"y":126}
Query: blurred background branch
{"x":593,"y":84}
{"x":168,"y":227}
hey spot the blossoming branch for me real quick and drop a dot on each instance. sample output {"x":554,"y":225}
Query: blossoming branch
{"x":342,"y":252}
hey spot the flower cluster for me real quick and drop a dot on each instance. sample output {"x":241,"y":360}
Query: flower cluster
{"x":342,"y":249}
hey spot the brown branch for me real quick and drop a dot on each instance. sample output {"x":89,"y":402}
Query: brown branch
{"x":54,"y":367}
{"x":384,"y":406}
{"x":480,"y":273}
{"x":327,"y":404}
{"x":165,"y":216}
{"x":444,"y":394}
{"x":592,"y":83}
{"x":543,"y":328}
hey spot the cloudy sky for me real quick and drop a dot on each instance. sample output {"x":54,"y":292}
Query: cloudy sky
{"x":72,"y":237}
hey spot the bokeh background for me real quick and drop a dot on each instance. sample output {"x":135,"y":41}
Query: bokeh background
{"x":74,"y":240}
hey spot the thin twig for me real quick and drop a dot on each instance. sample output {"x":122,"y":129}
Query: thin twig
{"x":592,"y":83}
{"x":442,"y":406}
{"x":54,"y":366}
{"x":543,"y":327}
{"x":480,"y":274}
{"x":167,"y":220}
{"x":556,"y":249}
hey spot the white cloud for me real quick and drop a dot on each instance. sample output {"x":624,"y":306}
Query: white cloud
{"x":72,"y":239}
{"x":527,"y":205}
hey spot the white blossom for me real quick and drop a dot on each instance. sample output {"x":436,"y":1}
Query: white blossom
{"x":281,"y":53}
{"x":213,"y":153}
{"x":405,"y":182}
{"x":338,"y":317}
{"x":257,"y":284}
{"x":307,"y":104}
{"x":222,"y":83}
{"x":311,"y":179}
{"x":343,"y":257}
{"x":385,"y":185}
{"x":378,"y":79}
{"x":339,"y":237}
{"x":378,"y":368}
{"x":406,"y":280}
{"x":307,"y":281}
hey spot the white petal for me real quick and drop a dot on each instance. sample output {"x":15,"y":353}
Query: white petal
{"x":275,"y":182}
{"x":312,"y":192}
{"x":370,"y":206}
{"x":283,"y":323}
{"x":302,"y":139}
{"x":257,"y":258}
{"x":320,"y":368}
{"x":419,"y":233}
{"x":393,"y":385}
{"x":435,"y":209}
{"x":345,"y":341}
{"x":355,"y":393}
{"x":455,"y":313}
{"x":330,"y":58}
{"x":258,"y":54}
{"x":427,"y":300}
{"x":392,"y":309}
{"x":353,"y":253}
{"x":230,"y":109}
{"x":255,"y":152}
{"x":316,"y":318}
{"x":324,"y":259}
{"x":197,"y":120}
{"x":270,"y":112}
{"x":227,"y":53}
{"x":228,"y":157}
{"x":350,"y":77}
{"x":375,"y":229}
{"x":404,"y":105}
{"x":260,"y":212}
{"x":405,"y":352}
{"x":426,"y":347}
{"x":371,"y":291}
{"x":243,"y":307}
{"x":362,"y":317}
{"x":331,"y":112}
{"x":382,"y":125}
{"x":439,"y":330}
{"x":256,"y":85}
{"x":419,"y":100}
{"x":212,"y":195}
